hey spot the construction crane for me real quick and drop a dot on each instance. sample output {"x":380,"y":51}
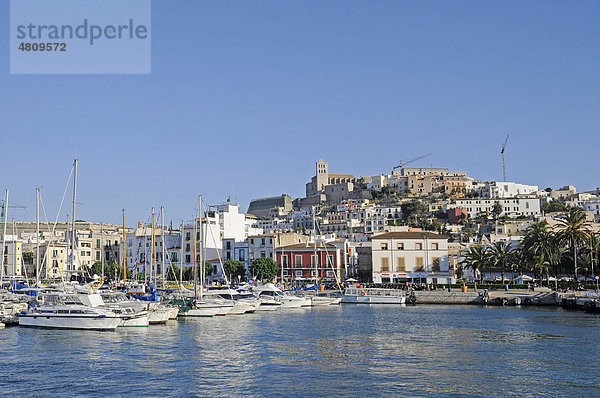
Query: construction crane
{"x":405,"y":162}
{"x":3,"y":211}
{"x":503,"y":160}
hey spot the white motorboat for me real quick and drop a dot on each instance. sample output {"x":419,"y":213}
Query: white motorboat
{"x":239,"y":305}
{"x":132,"y":313}
{"x":287,"y":301}
{"x":359,"y":295}
{"x":321,"y":300}
{"x":209,"y":308}
{"x":268,"y":303}
{"x":68,"y":312}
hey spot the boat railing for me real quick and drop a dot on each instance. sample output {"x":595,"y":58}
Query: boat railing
{"x":375,"y":292}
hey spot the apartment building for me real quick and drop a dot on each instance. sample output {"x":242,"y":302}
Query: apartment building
{"x":497,"y":189}
{"x":410,"y":257}
{"x":12,"y":259}
{"x":511,"y":207}
{"x":307,"y":261}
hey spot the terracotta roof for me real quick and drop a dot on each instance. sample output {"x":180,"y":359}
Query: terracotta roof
{"x":408,"y":235}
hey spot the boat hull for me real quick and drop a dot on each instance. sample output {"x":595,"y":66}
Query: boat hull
{"x":140,"y":320}
{"x":51,"y":321}
{"x":207,"y":310}
{"x":353,"y":299}
{"x":293,"y":302}
{"x":322,"y":301}
{"x":159,"y":315}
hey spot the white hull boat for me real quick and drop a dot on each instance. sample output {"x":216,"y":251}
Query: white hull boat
{"x":317,"y":301}
{"x":70,"y":317}
{"x":205,"y":309}
{"x":268,"y":304}
{"x":159,"y":315}
{"x":139,"y":320}
{"x":373,"y":296}
{"x":294,"y":302}
{"x":241,"y":307}
{"x":174,"y":312}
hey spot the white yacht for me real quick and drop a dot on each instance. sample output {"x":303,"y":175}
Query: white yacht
{"x":361,"y":295}
{"x":209,"y":308}
{"x":68,"y":312}
{"x":132,"y":313}
{"x":322,"y":299}
{"x":287,"y":301}
{"x":239,"y":305}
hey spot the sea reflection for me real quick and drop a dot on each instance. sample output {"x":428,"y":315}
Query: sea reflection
{"x":336,"y":351}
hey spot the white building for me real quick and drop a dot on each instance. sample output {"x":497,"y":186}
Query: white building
{"x":497,"y":189}
{"x":511,"y":207}
{"x":377,"y":218}
{"x":139,"y":251}
{"x":410,"y":257}
{"x":54,"y":260}
{"x":12,"y":261}
{"x":226,"y":224}
{"x":592,"y":206}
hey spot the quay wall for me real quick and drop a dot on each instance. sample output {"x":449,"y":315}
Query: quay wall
{"x":475,"y":297}
{"x":445,"y":297}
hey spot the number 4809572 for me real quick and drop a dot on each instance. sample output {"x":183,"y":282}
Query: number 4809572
{"x":43,"y":47}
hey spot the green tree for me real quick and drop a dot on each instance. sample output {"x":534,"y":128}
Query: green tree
{"x":234,"y":269}
{"x":467,"y":233}
{"x":541,"y":247}
{"x":173,"y":273}
{"x":554,"y":206}
{"x":263,"y":268}
{"x":573,"y":230}
{"x":500,"y":256}
{"x":28,"y":258}
{"x":497,"y":210}
{"x":188,"y":273}
{"x":414,"y":211}
{"x":109,"y":270}
{"x":476,"y":258}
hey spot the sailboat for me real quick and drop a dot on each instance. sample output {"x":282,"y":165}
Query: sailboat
{"x":210,"y":306}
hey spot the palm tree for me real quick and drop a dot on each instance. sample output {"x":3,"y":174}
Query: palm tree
{"x":541,"y":247}
{"x":476,"y":259}
{"x":573,"y":229}
{"x":520,"y":259}
{"x":500,"y":255}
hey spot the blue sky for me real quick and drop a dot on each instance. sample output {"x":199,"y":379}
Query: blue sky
{"x":245,"y":96}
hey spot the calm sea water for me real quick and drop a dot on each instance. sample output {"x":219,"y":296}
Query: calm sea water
{"x":338,"y":351}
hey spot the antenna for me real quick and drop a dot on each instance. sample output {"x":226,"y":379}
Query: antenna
{"x":503,"y":160}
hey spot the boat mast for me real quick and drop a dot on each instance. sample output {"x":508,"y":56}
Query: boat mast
{"x":37,"y":237}
{"x":181,"y":257}
{"x":153,"y":263}
{"x":4,"y":235}
{"x":73,"y":217}
{"x":202,"y":268}
{"x":162,"y":238}
{"x":315,"y":246}
{"x":14,"y":239}
{"x":124,"y":270}
{"x":280,"y":257}
{"x":194,"y":252}
{"x":102,"y":250}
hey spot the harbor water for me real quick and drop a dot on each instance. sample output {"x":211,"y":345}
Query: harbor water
{"x":342,"y":350}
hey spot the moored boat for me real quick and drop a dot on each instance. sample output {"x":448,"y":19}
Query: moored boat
{"x":361,"y":295}
{"x":68,"y":312}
